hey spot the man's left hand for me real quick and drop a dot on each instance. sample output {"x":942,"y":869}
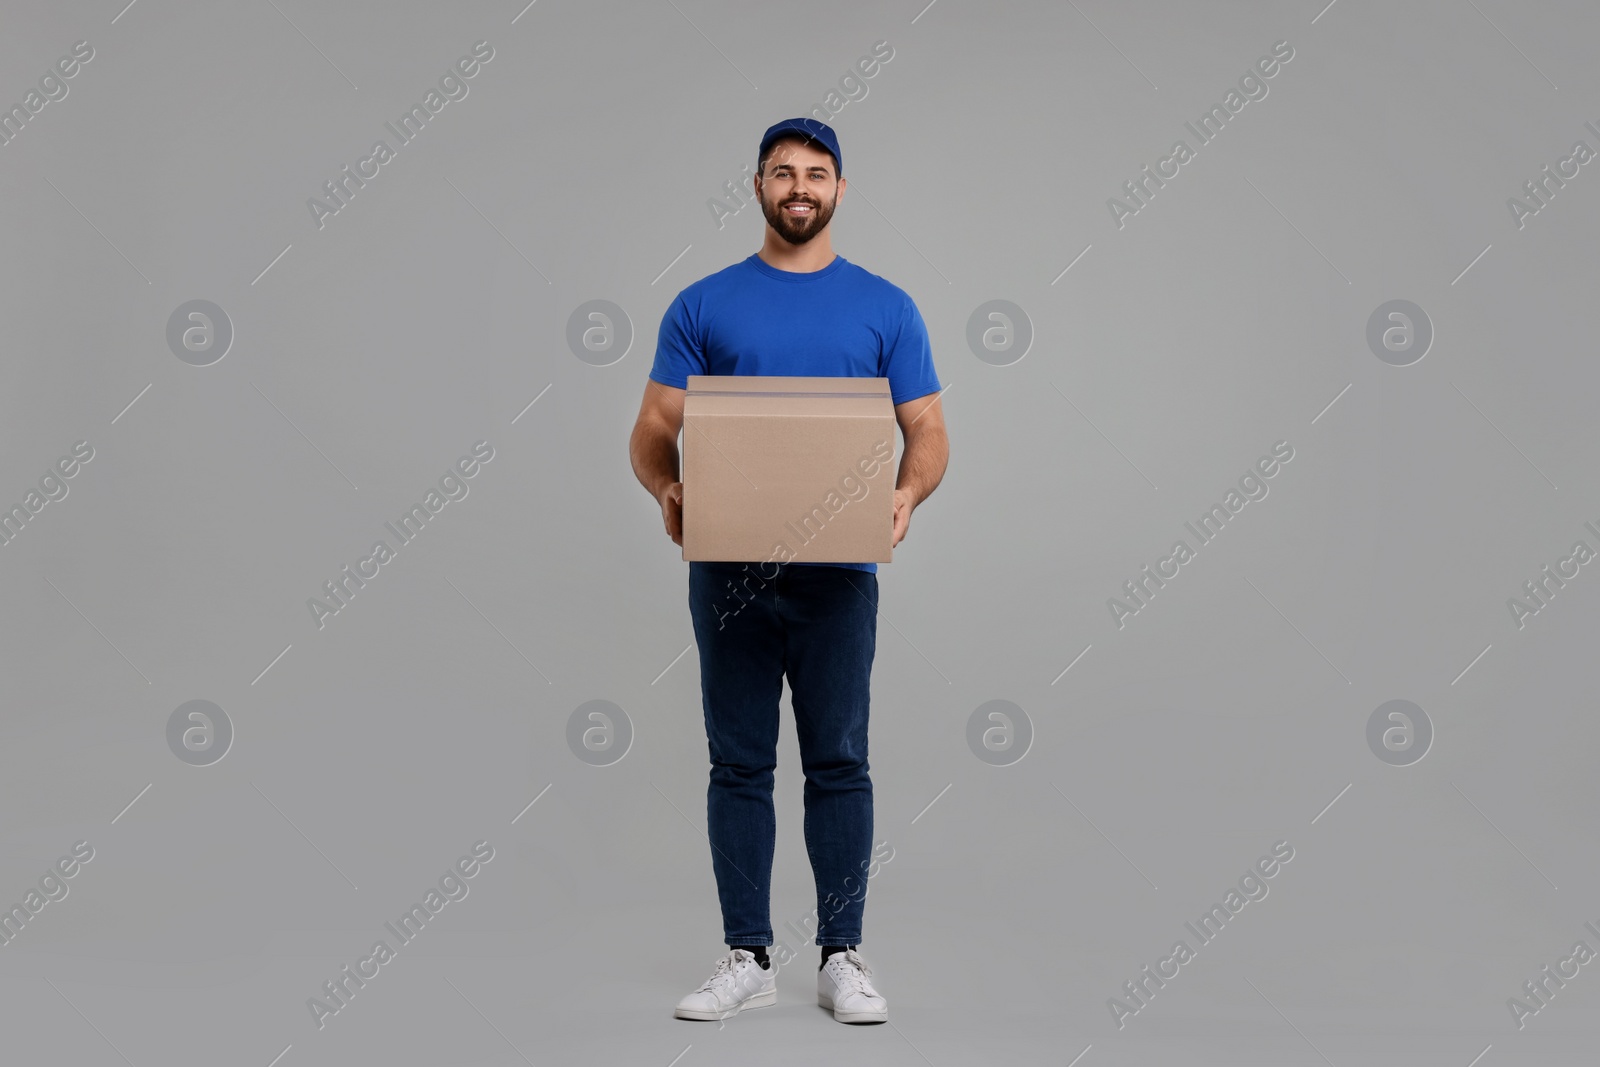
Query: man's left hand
{"x":904,"y":502}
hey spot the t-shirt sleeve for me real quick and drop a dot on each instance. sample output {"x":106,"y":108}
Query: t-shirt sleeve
{"x":908,"y":361}
{"x":679,"y":352}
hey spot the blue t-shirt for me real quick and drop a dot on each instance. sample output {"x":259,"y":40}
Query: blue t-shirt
{"x":838,"y":322}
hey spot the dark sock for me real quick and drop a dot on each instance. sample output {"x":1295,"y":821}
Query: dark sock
{"x":828,"y":950}
{"x":760,"y":953}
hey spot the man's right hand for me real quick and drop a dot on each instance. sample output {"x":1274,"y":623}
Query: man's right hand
{"x":672,"y":512}
{"x":653,"y":451}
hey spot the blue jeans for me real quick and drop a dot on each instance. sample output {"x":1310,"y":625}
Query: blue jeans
{"x":755,"y":623}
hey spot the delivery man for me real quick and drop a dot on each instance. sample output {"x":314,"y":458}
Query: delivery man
{"x":792,"y":308}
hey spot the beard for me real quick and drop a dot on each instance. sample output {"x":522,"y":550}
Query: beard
{"x":797,"y":230}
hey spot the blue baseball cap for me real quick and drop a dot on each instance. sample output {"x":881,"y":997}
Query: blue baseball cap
{"x":811,"y":129}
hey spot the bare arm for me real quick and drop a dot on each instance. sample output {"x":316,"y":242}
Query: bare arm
{"x":922,"y":464}
{"x":653,"y":450}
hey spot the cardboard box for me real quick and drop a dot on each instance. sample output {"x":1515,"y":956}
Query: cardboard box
{"x":788,"y":469}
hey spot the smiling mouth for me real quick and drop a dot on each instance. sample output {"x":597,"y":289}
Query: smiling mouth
{"x":799,"y":210}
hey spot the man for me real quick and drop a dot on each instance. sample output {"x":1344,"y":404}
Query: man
{"x":792,"y":308}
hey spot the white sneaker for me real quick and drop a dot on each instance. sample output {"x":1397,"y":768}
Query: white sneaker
{"x":844,"y":985}
{"x":738,"y":982}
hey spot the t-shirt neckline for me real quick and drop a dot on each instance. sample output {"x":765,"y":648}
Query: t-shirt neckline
{"x":795,"y":276}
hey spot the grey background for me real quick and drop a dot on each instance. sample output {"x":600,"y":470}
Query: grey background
{"x":1230,"y":313}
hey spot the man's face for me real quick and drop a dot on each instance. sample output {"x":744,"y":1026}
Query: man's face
{"x":798,"y":190}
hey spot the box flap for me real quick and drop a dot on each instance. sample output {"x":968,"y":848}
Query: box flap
{"x":771,"y":394}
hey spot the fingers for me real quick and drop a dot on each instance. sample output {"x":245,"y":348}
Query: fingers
{"x":672,"y":512}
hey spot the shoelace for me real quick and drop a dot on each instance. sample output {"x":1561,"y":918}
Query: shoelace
{"x":724,"y":969}
{"x":851,"y":972}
